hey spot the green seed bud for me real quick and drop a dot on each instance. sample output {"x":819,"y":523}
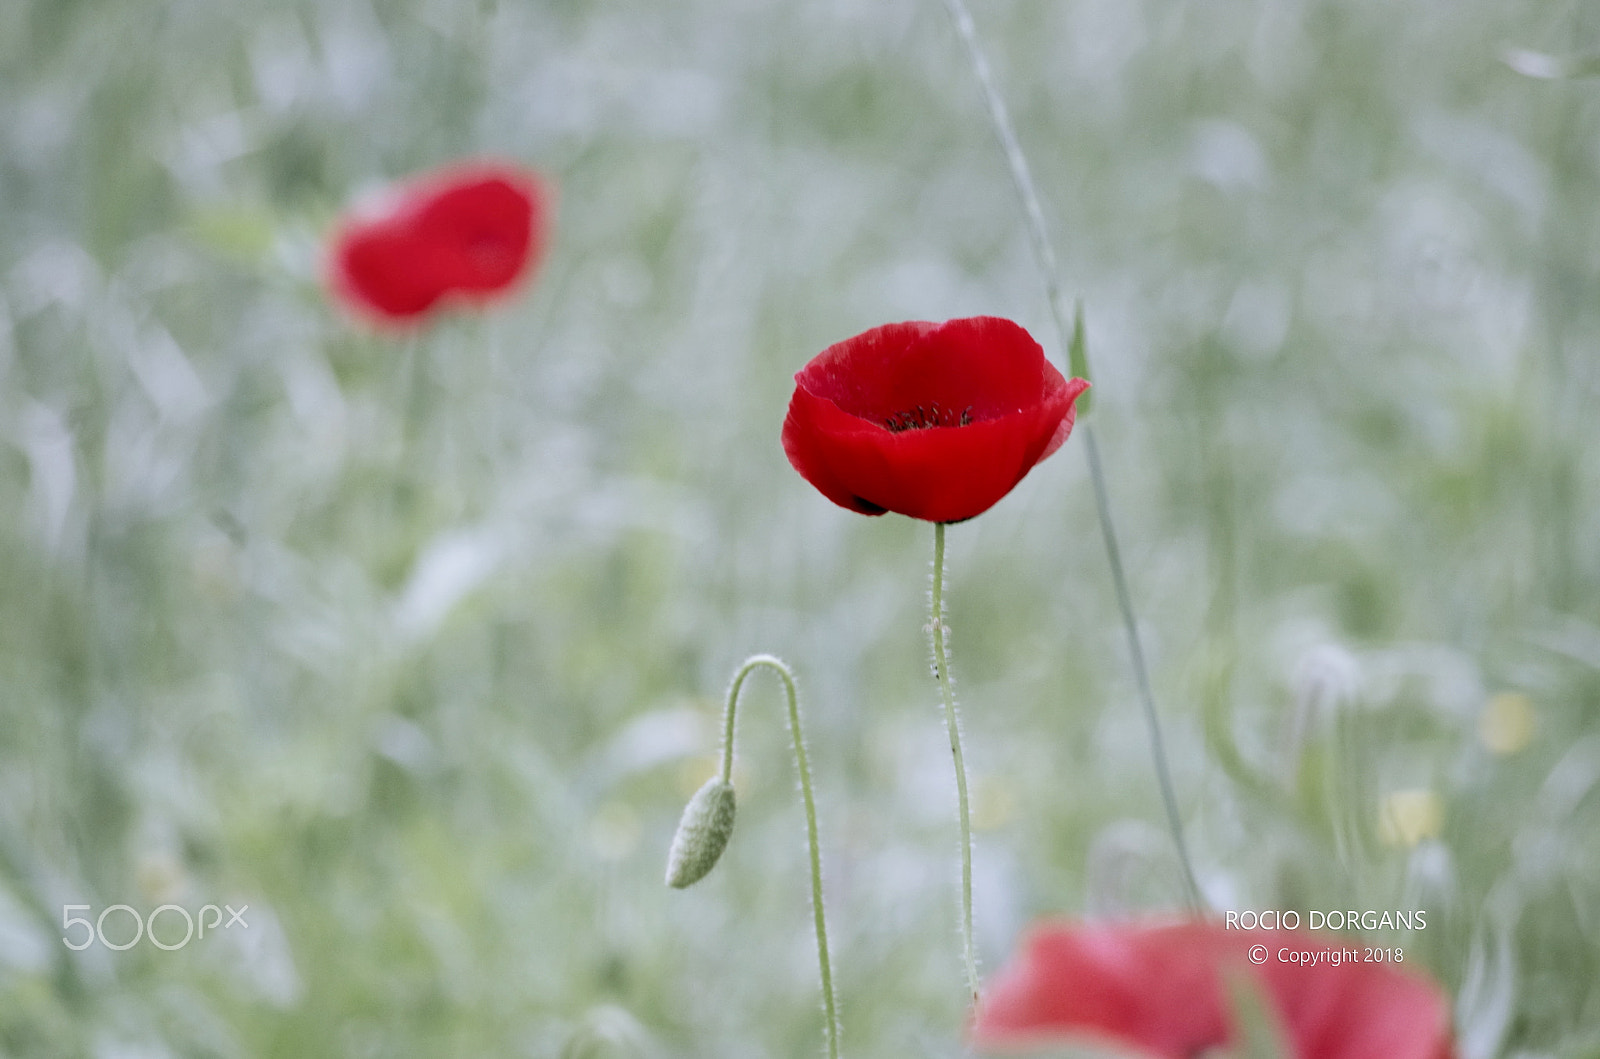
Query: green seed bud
{"x":703,"y":834}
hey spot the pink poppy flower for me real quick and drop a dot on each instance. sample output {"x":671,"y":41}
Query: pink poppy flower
{"x":1160,"y":990}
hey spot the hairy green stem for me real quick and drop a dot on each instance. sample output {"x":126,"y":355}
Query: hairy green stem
{"x":776,"y":664}
{"x":1070,"y":339}
{"x":941,"y":672}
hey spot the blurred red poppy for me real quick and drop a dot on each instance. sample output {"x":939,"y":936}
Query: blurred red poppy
{"x":464,"y":234}
{"x":1161,"y":990}
{"x":936,"y":421}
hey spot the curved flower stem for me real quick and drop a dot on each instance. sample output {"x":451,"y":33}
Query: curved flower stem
{"x":1071,"y":340}
{"x":941,"y":672}
{"x":772,"y":662}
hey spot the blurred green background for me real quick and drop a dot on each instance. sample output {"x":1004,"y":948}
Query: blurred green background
{"x":416,"y":646}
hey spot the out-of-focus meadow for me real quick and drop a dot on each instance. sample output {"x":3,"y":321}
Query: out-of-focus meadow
{"x":416,"y":646}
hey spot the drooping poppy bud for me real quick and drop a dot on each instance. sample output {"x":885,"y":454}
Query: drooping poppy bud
{"x":703,"y":833}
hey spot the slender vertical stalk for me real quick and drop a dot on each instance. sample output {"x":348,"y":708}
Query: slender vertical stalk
{"x":1070,"y":338}
{"x":754,"y":662}
{"x":941,"y":672}
{"x":1141,"y":671}
{"x":413,"y":388}
{"x":1043,"y":251}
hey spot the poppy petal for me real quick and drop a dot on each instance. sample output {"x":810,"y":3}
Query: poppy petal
{"x":986,"y":363}
{"x":849,"y":373}
{"x":377,"y":268}
{"x":483,"y":228}
{"x":834,"y":451}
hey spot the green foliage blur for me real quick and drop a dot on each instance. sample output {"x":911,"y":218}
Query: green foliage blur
{"x":416,"y":646}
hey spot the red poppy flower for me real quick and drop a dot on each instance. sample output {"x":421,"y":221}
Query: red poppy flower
{"x":935,"y":421}
{"x":465,"y":234}
{"x":1161,"y":990}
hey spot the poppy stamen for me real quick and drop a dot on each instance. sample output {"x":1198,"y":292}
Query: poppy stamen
{"x":920,"y":418}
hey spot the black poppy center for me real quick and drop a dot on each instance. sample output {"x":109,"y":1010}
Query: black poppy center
{"x":927,"y":417}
